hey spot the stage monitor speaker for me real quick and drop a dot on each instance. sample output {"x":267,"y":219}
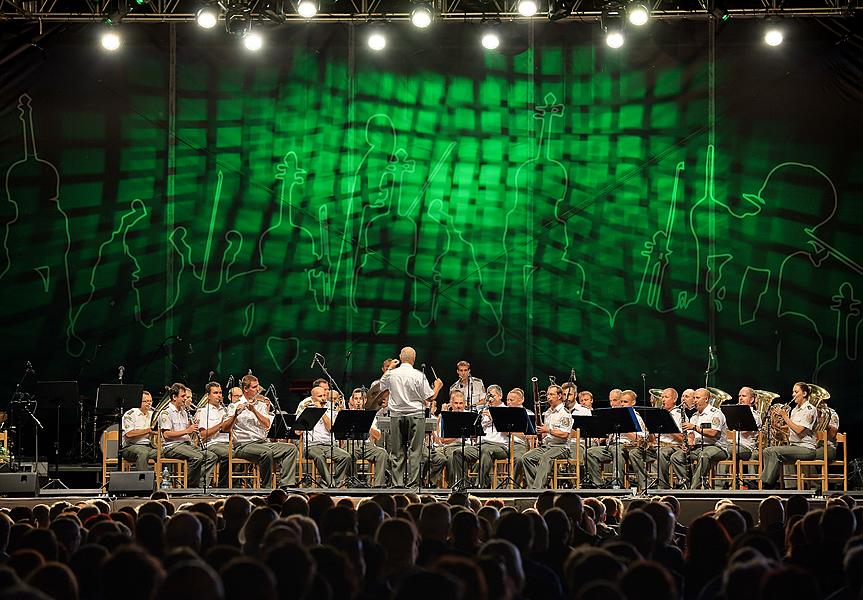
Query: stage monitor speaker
{"x":19,"y":484}
{"x":132,"y":483}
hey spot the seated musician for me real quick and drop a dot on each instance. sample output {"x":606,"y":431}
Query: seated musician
{"x":495,"y":444}
{"x":451,"y":448}
{"x":800,"y":425}
{"x":669,"y":443}
{"x":250,"y":420}
{"x":554,"y":436}
{"x":211,"y":420}
{"x":748,"y":446}
{"x":521,"y":442}
{"x":618,"y":446}
{"x":377,"y":456}
{"x":832,"y":418}
{"x":136,"y":434}
{"x":706,"y":438}
{"x":319,"y":443}
{"x":177,"y":429}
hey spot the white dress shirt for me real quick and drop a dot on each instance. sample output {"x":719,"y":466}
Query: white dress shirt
{"x":247,"y":428}
{"x":174,"y":419}
{"x":409,"y":389}
{"x":135,"y":419}
{"x":209,"y":418}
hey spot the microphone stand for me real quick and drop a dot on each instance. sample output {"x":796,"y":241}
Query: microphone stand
{"x":16,"y":393}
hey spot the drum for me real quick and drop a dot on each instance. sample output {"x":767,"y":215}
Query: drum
{"x":111,"y":448}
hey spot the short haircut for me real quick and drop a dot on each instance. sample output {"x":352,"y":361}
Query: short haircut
{"x":247,"y":381}
{"x":517,"y":392}
{"x":463,"y":363}
{"x":177,"y":389}
{"x":213,"y":384}
{"x":456,"y":394}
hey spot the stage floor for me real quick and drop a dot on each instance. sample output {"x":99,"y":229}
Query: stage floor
{"x":693,"y":503}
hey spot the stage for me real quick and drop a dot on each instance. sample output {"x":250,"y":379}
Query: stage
{"x":693,"y":503}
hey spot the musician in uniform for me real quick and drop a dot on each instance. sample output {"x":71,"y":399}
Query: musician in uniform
{"x":451,"y":447}
{"x":585,"y":399}
{"x":250,"y":420}
{"x":211,"y":420}
{"x":319,"y":443}
{"x":136,"y":434}
{"x":748,"y":445}
{"x":554,"y":434}
{"x":707,"y":440}
{"x":235,"y":394}
{"x":410,"y":395}
{"x":570,"y":395}
{"x":377,"y":456}
{"x":618,"y":446}
{"x":520,"y":442}
{"x":472,"y":387}
{"x":687,"y":403}
{"x":669,"y":443}
{"x":495,"y":445}
{"x":614,"y":398}
{"x":801,"y":436}
{"x":177,"y":429}
{"x":832,"y":418}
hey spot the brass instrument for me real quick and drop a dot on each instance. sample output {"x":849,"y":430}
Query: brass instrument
{"x":817,"y":397}
{"x":655,"y":397}
{"x":202,"y":402}
{"x":763,"y":400}
{"x":537,"y":408}
{"x":158,"y":410}
{"x":717,"y":397}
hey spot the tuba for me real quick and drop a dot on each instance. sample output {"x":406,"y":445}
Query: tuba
{"x":763,"y":400}
{"x":817,"y":397}
{"x":655,"y":397}
{"x":717,"y":397}
{"x":157,"y":412}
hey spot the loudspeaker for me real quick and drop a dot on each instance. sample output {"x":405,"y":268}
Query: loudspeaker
{"x":132,"y":483}
{"x":19,"y":484}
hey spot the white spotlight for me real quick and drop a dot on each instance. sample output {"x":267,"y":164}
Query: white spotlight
{"x":614,"y":39}
{"x":377,"y":41}
{"x":527,"y":8}
{"x":773,"y":37}
{"x":111,"y":41}
{"x":638,"y":14}
{"x":207,"y":17}
{"x":253,"y":41}
{"x":490,"y":40}
{"x":307,"y":8}
{"x":421,"y":16}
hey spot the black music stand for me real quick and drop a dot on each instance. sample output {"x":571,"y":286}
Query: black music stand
{"x":353,"y":425}
{"x":114,"y":396}
{"x":738,"y":417}
{"x":509,"y":419}
{"x":305,"y":422}
{"x":279,"y":432}
{"x":589,"y":427}
{"x":616,"y":421}
{"x":57,"y":393}
{"x":657,"y":421}
{"x":460,"y":425}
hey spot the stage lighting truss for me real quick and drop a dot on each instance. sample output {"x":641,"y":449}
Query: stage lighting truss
{"x":613,"y":23}
{"x":560,"y":9}
{"x":422,"y":14}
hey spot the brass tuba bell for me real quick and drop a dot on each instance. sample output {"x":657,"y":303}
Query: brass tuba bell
{"x":763,"y":400}
{"x":655,"y":397}
{"x":817,"y":395}
{"x":717,"y":397}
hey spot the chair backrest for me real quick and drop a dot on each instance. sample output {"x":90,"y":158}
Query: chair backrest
{"x":841,"y":438}
{"x":821,"y":436}
{"x":4,"y":439}
{"x":108,"y":442}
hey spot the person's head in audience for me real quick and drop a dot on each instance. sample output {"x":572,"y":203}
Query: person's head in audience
{"x":183,"y":529}
{"x":337,"y":570}
{"x":86,"y":564}
{"x":489,"y":513}
{"x":613,"y":509}
{"x":434,"y":522}
{"x":220,"y":555}
{"x":559,"y":529}
{"x":253,"y":531}
{"x":413,"y":511}
{"x":797,"y":504}
{"x":598,"y":509}
{"x":647,"y":580}
{"x":244,"y":577}
{"x":740,"y":581}
{"x":786,"y":582}
{"x":707,"y":541}
{"x":732,"y":521}
{"x":495,"y":578}
{"x":5,"y":528}
{"x":507,"y":554}
{"x":466,"y":571}
{"x":42,"y":541}
{"x":518,"y":529}
{"x":151,"y":507}
{"x":310,"y":534}
{"x":127,"y":565}
{"x":191,"y":579}
{"x":540,"y":532}
{"x":466,"y":532}
{"x":758,"y":541}
{"x":24,"y":562}
{"x":55,"y":580}
{"x":295,"y":505}
{"x":638,"y":529}
{"x":369,"y":517}
{"x":400,"y":543}
{"x":587,"y":564}
{"x":664,"y":520}
{"x":771,"y":513}
{"x":339,"y":519}
{"x":295,"y":570}
{"x":430,"y":585}
{"x":811,"y":524}
{"x":318,"y":505}
{"x":544,"y":501}
{"x":386,"y":502}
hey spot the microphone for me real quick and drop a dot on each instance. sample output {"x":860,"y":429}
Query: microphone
{"x":122,"y":370}
{"x":423,"y":367}
{"x":191,"y":350}
{"x":643,"y":376}
{"x":30,"y":368}
{"x":210,"y":376}
{"x":710,"y":352}
{"x":572,"y":374}
{"x":230,"y":381}
{"x":314,"y":360}
{"x":250,"y":372}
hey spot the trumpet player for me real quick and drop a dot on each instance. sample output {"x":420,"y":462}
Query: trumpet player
{"x":136,"y":434}
{"x":211,"y":420}
{"x":554,"y":434}
{"x":706,"y":437}
{"x":319,"y":446}
{"x":667,"y":446}
{"x":618,"y":447}
{"x":801,"y":436}
{"x":250,"y":422}
{"x":177,"y":429}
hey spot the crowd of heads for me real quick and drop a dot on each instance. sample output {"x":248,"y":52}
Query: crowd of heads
{"x":405,"y":546}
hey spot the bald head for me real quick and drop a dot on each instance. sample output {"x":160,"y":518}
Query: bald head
{"x":746,"y":396}
{"x":408,"y":355}
{"x":318,"y":394}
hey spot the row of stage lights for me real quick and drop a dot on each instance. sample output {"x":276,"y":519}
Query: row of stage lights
{"x":612,"y":21}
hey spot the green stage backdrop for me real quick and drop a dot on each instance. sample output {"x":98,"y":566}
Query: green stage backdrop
{"x":182,"y":206}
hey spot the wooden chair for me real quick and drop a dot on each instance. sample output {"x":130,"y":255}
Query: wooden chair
{"x":568,"y":469}
{"x":730,"y":466}
{"x":755,"y":463}
{"x":109,"y":454}
{"x":178,"y":468}
{"x":821,"y":465}
{"x":499,"y":471}
{"x":249,"y":473}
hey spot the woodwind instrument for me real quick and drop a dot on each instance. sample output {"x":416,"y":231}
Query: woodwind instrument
{"x":537,"y":409}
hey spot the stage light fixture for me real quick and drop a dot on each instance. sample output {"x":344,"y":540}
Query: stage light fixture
{"x":773,"y":35}
{"x":527,"y":8}
{"x":111,"y":40}
{"x":559,"y":9}
{"x":422,"y":15}
{"x":490,"y":40}
{"x":612,"y":23}
{"x":307,"y":8}
{"x":238,"y":20}
{"x":638,"y":13}
{"x":377,"y":40}
{"x":253,"y":41}
{"x":718,"y":10}
{"x":207,"y":16}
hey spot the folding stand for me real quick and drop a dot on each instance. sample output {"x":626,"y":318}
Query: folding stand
{"x":57,"y":393}
{"x":459,"y":425}
{"x":114,"y":396}
{"x":657,"y":421}
{"x":509,"y":420}
{"x":738,"y":417}
{"x":353,"y":425}
{"x":617,"y":420}
{"x":431,"y":424}
{"x":306,"y":421}
{"x":589,"y":427}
